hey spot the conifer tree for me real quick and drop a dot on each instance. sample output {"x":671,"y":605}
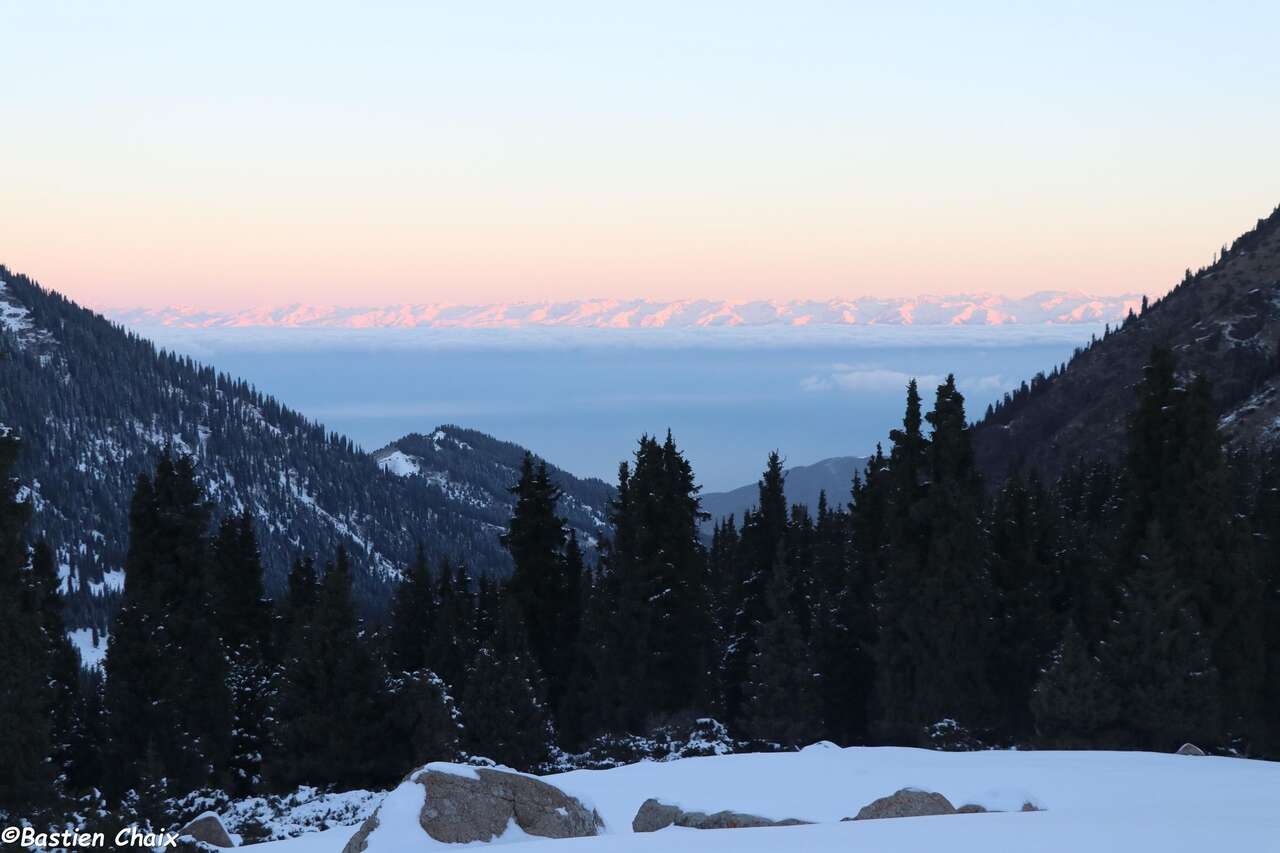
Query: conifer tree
{"x":168,"y":706}
{"x":934,"y":604}
{"x":782,"y":693}
{"x":1022,"y":551}
{"x":764,"y":535}
{"x":539,"y":583}
{"x":452,"y":642}
{"x":25,"y":746}
{"x":1073,"y":705}
{"x":62,"y":659}
{"x":1158,"y":660}
{"x":506,"y":717}
{"x":332,"y":711}
{"x":243,"y":620}
{"x":425,"y":723}
{"x":656,"y":572}
{"x":412,"y":617}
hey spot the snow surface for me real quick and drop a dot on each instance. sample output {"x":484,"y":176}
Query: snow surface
{"x":13,"y":318}
{"x":400,"y":463}
{"x":90,"y":655}
{"x":1125,"y":802}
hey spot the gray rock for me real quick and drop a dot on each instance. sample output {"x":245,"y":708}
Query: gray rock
{"x":1190,"y":749}
{"x":1030,"y":807}
{"x":358,"y":842}
{"x":722,"y":820}
{"x":207,"y":828}
{"x":461,"y":809}
{"x":971,"y":808}
{"x":908,"y":802}
{"x":653,"y":816}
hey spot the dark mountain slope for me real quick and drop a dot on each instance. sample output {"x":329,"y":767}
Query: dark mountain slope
{"x":803,"y":484}
{"x":476,"y":471}
{"x":1223,"y":321}
{"x":94,"y":404}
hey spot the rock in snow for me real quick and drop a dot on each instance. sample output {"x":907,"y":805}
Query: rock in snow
{"x":207,"y":828}
{"x":654,"y":815}
{"x":460,"y":805}
{"x":908,"y":802}
{"x":1190,"y":749}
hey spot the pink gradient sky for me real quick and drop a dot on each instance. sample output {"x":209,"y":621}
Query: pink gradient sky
{"x":158,"y":155}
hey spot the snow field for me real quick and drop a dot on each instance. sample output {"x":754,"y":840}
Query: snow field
{"x":1125,"y":802}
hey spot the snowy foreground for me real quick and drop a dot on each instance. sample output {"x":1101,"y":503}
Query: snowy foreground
{"x":1092,"y":801}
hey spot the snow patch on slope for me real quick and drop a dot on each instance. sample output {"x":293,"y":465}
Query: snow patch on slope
{"x":92,"y":653}
{"x":399,"y":463}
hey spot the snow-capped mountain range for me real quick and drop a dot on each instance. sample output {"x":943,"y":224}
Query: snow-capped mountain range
{"x":1046,"y":307}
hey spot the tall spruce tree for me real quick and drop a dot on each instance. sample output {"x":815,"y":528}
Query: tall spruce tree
{"x":452,"y":643}
{"x":656,"y":575}
{"x":782,"y":691}
{"x":25,"y":732}
{"x":1023,"y":543}
{"x":539,"y":584}
{"x":1073,"y":704}
{"x":243,"y":620}
{"x":167,"y":702}
{"x":504,"y":706}
{"x":763,"y":537}
{"x":935,"y":603}
{"x":63,"y":666}
{"x":332,"y":711}
{"x":412,"y":617}
{"x":1158,"y":660}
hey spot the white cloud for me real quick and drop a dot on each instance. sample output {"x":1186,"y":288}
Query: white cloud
{"x":852,"y":377}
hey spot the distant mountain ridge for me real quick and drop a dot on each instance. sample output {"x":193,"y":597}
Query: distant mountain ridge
{"x":1045,"y":307}
{"x":803,"y":484}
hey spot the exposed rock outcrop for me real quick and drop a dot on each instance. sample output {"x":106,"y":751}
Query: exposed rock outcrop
{"x":207,"y":828}
{"x":908,"y":802}
{"x":1190,"y":749}
{"x":654,"y":815}
{"x":465,"y":804}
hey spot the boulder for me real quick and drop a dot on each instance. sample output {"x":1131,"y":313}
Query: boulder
{"x":1030,"y":807}
{"x":467,"y":804}
{"x":207,"y":828}
{"x":1190,"y":749}
{"x":654,"y":815}
{"x":971,"y":808}
{"x":721,"y":820}
{"x":908,"y":802}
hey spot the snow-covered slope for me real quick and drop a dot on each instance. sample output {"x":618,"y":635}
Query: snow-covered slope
{"x":1091,"y":801}
{"x":966,"y":309}
{"x":474,"y":472}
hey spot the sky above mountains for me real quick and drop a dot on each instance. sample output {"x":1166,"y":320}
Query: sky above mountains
{"x":242,"y":154}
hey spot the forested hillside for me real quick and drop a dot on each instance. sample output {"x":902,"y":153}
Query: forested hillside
{"x":1222,"y":321}
{"x":477,"y":471}
{"x":95,"y":405}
